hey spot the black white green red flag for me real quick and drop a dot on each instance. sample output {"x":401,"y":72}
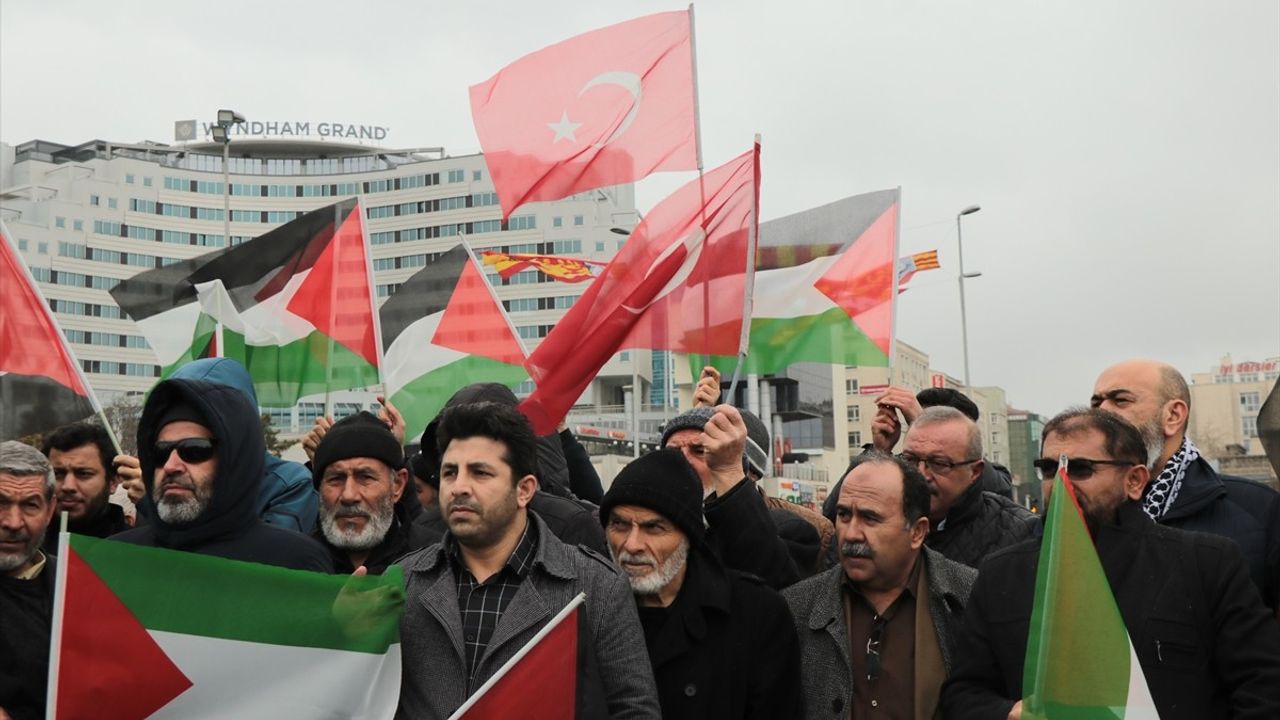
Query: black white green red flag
{"x":41,"y":386}
{"x":295,"y":307}
{"x":143,"y":632}
{"x":444,"y":329}
{"x":1080,"y":661}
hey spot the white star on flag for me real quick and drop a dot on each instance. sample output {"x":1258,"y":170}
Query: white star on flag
{"x":564,"y":129}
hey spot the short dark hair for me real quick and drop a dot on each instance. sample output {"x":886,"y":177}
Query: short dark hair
{"x":79,"y":434}
{"x":1123,"y":441}
{"x":950,"y":397}
{"x":915,"y":489}
{"x":495,"y":421}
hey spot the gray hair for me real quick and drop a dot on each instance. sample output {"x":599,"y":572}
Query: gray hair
{"x":940,"y":414}
{"x":22,"y":460}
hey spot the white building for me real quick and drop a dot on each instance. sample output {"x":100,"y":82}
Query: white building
{"x":88,"y":215}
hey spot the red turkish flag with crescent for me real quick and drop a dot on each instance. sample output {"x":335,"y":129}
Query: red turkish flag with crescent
{"x":679,"y":283}
{"x":603,"y":108}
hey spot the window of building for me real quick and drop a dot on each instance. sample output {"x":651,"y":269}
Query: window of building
{"x":599,"y":246}
{"x":60,"y":222}
{"x":77,"y":225}
{"x":146,"y":182}
{"x":557,"y":221}
{"x":1249,"y":426}
{"x":128,"y":178}
{"x":477,"y":175}
{"x":1249,"y":377}
{"x":308,"y":412}
{"x":577,"y":219}
{"x":22,"y":244}
{"x":855,"y":439}
{"x":851,"y":386}
{"x":456,"y":176}
{"x":522,"y":222}
{"x":1250,"y":402}
{"x":855,"y":413}
{"x":111,"y":203}
{"x":42,"y":248}
{"x":95,"y":200}
{"x":624,"y":356}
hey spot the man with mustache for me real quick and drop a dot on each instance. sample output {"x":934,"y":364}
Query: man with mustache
{"x":84,"y":473}
{"x":473,"y":600}
{"x":877,"y":633}
{"x":1205,"y":643}
{"x":202,"y":454}
{"x":359,"y":470}
{"x":26,"y":580}
{"x":722,"y":644}
{"x":1185,"y":492}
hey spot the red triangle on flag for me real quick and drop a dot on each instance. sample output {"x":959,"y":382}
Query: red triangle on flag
{"x":109,"y":662}
{"x":473,"y":323}
{"x":542,"y":685}
{"x":862,"y":280}
{"x":336,"y":296}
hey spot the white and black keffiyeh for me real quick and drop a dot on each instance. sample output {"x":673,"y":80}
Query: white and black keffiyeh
{"x":1164,"y":489}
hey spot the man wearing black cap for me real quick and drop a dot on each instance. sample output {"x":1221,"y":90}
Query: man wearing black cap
{"x":359,"y":470}
{"x":741,"y":529}
{"x":202,"y":453}
{"x":722,"y":644}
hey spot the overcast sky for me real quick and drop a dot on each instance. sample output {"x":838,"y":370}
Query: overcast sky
{"x":1126,"y":154}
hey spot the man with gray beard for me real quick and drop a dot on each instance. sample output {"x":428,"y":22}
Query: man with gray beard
{"x":1185,"y":491}
{"x":359,"y":470}
{"x":201,"y":449}
{"x":877,"y":634}
{"x":722,"y":644}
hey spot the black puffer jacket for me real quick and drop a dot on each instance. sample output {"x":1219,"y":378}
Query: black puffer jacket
{"x":979,"y":524}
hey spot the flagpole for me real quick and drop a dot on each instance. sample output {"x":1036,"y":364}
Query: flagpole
{"x":702,"y":190}
{"x":62,"y":340}
{"x":333,"y":309}
{"x":749,"y":277}
{"x":546,"y":630}
{"x":59,"y":610}
{"x":893,"y":307}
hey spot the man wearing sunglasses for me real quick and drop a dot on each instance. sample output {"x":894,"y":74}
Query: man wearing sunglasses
{"x":965,"y":523}
{"x":202,"y":451}
{"x":1185,"y":491}
{"x":1205,"y":642}
{"x":877,"y":634}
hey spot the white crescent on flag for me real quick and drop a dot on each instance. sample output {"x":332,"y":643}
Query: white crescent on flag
{"x":692,"y":244}
{"x":627,"y":81}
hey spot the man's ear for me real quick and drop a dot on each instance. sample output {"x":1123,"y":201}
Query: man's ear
{"x":919,"y":531}
{"x":1173,"y":420}
{"x":399,"y":479}
{"x":526,"y":487}
{"x":1135,"y":481}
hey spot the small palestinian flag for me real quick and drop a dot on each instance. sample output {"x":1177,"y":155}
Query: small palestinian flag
{"x":41,"y":386}
{"x":143,"y":632}
{"x":295,"y":304}
{"x":1080,"y":661}
{"x":444,"y":329}
{"x":824,"y":287}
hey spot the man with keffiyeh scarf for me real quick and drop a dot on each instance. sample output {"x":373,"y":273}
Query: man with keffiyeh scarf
{"x":1185,"y":492}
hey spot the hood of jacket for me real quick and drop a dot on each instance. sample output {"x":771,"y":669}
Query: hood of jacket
{"x":223,"y":371}
{"x":235,"y":423}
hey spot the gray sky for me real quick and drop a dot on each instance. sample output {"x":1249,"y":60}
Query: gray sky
{"x":1126,"y":154}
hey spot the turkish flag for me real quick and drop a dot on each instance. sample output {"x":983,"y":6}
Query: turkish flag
{"x":604,"y":108}
{"x":678,"y":284}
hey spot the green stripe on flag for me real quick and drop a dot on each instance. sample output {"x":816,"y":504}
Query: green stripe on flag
{"x":213,"y":597}
{"x":424,"y":397}
{"x":830,"y":337}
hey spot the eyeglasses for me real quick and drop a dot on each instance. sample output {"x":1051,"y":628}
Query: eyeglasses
{"x":936,"y":466}
{"x":1077,"y":468}
{"x":191,"y":450}
{"x":873,"y":647}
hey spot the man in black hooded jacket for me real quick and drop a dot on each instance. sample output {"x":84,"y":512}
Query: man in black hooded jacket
{"x":201,"y":450}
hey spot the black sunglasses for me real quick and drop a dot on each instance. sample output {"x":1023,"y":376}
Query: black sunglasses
{"x":191,"y":450}
{"x":1077,"y":468}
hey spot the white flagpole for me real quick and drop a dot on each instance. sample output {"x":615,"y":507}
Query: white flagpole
{"x":893,"y":307}
{"x":367,"y":249}
{"x":59,"y":610}
{"x":506,"y":667}
{"x":749,"y":281}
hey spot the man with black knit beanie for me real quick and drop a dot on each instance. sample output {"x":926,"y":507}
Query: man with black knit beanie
{"x":722,"y":644}
{"x":359,"y":470}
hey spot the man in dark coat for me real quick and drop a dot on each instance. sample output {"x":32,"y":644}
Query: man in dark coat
{"x":877,"y":633}
{"x":84,"y":474}
{"x":26,"y":580}
{"x":359,"y":470}
{"x":742,"y":531}
{"x":722,"y":644}
{"x":1185,"y":492}
{"x":965,"y":523}
{"x":201,"y":449}
{"x":1205,"y":642}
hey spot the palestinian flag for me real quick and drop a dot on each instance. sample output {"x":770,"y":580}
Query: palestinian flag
{"x":824,"y":287}
{"x":295,"y":304}
{"x":145,"y":632}
{"x":1080,"y":661}
{"x":444,"y":329}
{"x":538,"y":682}
{"x":41,"y":386}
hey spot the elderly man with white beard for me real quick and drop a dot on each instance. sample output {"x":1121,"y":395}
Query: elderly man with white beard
{"x":360,"y":472}
{"x":722,"y":644}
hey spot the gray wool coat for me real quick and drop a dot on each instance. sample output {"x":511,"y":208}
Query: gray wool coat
{"x":818,"y":609}
{"x":615,"y":674}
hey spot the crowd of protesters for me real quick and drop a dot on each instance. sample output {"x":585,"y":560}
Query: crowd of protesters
{"x":909,"y":596}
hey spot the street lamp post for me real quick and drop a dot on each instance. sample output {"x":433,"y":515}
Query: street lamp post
{"x":964,"y":321}
{"x":222,"y":133}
